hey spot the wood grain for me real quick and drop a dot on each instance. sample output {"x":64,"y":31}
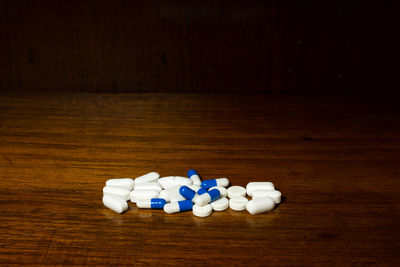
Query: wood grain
{"x":199,"y":46}
{"x":336,"y":160}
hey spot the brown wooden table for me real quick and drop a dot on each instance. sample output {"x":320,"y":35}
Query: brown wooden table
{"x":334,"y":158}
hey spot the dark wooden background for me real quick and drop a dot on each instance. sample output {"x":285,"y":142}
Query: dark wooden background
{"x":199,"y":46}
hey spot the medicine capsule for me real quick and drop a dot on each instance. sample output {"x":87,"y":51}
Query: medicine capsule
{"x":127,"y":183}
{"x":224,"y":182}
{"x":222,"y":190}
{"x":258,"y":186}
{"x":115,"y":203}
{"x":150,"y":177}
{"x":202,"y":191}
{"x":153,"y":203}
{"x":260,"y":205}
{"x":179,"y":206}
{"x":208,"y":197}
{"x":116,"y":191}
{"x":188,"y":193}
{"x":172,"y":194}
{"x":192,"y":174}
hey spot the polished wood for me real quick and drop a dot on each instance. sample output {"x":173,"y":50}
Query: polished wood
{"x":199,"y":46}
{"x":335,"y":159}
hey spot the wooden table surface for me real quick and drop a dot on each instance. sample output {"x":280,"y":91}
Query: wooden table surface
{"x":334,"y":158}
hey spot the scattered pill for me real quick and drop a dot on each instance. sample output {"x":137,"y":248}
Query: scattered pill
{"x":259,"y":186}
{"x":172,"y":194}
{"x":188,"y":193}
{"x":202,"y":211}
{"x":202,"y":191}
{"x":179,"y":206}
{"x":139,"y":194}
{"x":208,"y":197}
{"x":260,"y":205}
{"x":153,"y":203}
{"x":192,"y":174}
{"x":224,"y":182}
{"x":149,"y":186}
{"x":274,"y":194}
{"x":170,"y":181}
{"x":166,"y":182}
{"x":222,"y":190}
{"x":116,"y":191}
{"x":115,"y":203}
{"x":236,"y":191}
{"x":194,"y":187}
{"x":127,"y":183}
{"x":150,"y":177}
{"x":220,"y":204}
{"x":238,"y":203}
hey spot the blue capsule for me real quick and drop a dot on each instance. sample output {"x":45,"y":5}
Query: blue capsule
{"x":201,"y":191}
{"x":224,"y":182}
{"x":187,"y":192}
{"x":153,"y":203}
{"x":192,"y":174}
{"x":179,"y":206}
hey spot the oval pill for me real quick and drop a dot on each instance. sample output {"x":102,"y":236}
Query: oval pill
{"x":224,"y":182}
{"x":275,"y":195}
{"x":202,"y":211}
{"x":139,"y":194}
{"x":260,"y":205}
{"x":115,"y":203}
{"x":192,"y":174}
{"x":127,"y":183}
{"x":222,"y":190}
{"x":236,"y":191}
{"x":179,"y":206}
{"x":258,"y":186}
{"x":116,"y":191}
{"x":220,"y":204}
{"x":149,"y":177}
{"x":149,"y":186}
{"x":166,"y":182}
{"x":153,"y":203}
{"x":238,"y":203}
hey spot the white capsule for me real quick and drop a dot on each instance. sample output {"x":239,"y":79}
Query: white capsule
{"x":259,"y":186}
{"x":171,"y":194}
{"x":260,"y":205}
{"x":222,"y":190}
{"x":220,"y":204}
{"x":139,"y":194}
{"x":196,"y":179}
{"x":236,"y":191}
{"x":149,"y":186}
{"x":127,"y":183}
{"x":238,"y":203}
{"x":167,"y":181}
{"x":116,"y":191}
{"x":224,"y":182}
{"x":150,"y":177}
{"x":274,"y":194}
{"x":202,"y":211}
{"x":115,"y":203}
{"x":179,"y":180}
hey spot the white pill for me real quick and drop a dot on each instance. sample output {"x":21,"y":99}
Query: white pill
{"x":274,"y":194}
{"x":220,"y":204}
{"x":222,"y":190}
{"x":260,"y":205}
{"x":116,"y":191}
{"x":127,"y":183}
{"x":167,"y":181}
{"x":149,"y":186}
{"x":150,"y":177}
{"x":140,"y":194}
{"x":236,"y":191}
{"x":115,"y":203}
{"x":259,"y":186}
{"x":171,"y":194}
{"x":238,"y":203}
{"x":179,"y":180}
{"x":202,"y":211}
{"x":194,"y":187}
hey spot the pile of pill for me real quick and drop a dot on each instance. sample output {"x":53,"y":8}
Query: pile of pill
{"x":177,"y":194}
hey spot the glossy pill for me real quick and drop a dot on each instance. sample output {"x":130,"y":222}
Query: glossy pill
{"x":139,"y":194}
{"x":172,"y":194}
{"x":236,"y":191}
{"x":179,"y":206}
{"x":153,"y":203}
{"x":220,"y":204}
{"x":208,"y":197}
{"x":192,"y":174}
{"x":275,"y":195}
{"x":238,"y":204}
{"x":148,"y":186}
{"x":115,"y":203}
{"x":222,"y":190}
{"x":258,"y":186}
{"x":116,"y":191}
{"x":260,"y":205}
{"x":127,"y":183}
{"x":149,"y":177}
{"x":224,"y":182}
{"x":202,"y":211}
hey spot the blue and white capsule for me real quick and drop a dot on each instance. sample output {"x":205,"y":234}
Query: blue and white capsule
{"x":202,"y":191}
{"x":224,"y":182}
{"x":208,"y":197}
{"x":192,"y":174}
{"x":188,"y":193}
{"x":153,"y":203}
{"x":179,"y":206}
